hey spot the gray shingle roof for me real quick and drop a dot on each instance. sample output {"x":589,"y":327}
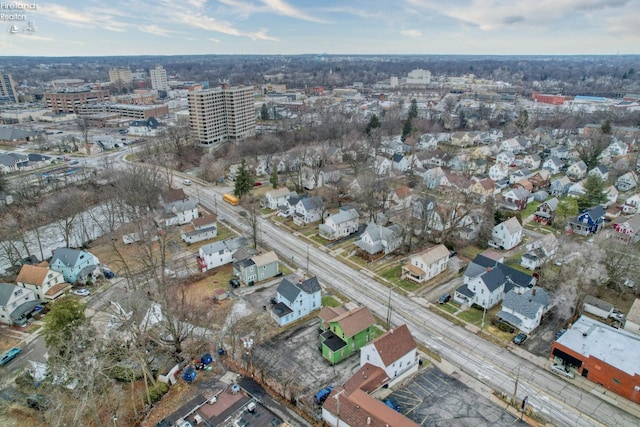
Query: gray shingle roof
{"x":528,"y":303}
{"x":493,"y":279}
{"x":67,"y":256}
{"x":288,"y":290}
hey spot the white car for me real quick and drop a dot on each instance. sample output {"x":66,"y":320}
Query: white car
{"x":561,"y":370}
{"x":82,"y":292}
{"x":187,"y":182}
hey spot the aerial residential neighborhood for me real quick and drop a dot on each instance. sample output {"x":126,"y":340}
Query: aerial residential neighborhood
{"x":316,"y":239}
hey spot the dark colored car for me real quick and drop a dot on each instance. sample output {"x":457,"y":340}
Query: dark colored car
{"x":444,"y":299}
{"x":273,"y":301}
{"x":520,"y":338}
{"x":560,"y":333}
{"x":257,"y":184}
{"x":108,"y":274}
{"x":235,"y":283}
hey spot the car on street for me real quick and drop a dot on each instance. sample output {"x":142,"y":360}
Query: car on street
{"x":562,"y":370}
{"x":187,"y":182}
{"x":9,"y":355}
{"x":520,"y":338}
{"x":82,"y":292}
{"x":444,"y":299}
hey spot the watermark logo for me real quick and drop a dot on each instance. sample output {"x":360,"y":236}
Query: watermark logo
{"x":16,"y":14}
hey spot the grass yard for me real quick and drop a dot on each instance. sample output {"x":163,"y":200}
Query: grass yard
{"x":470,"y":251}
{"x":449,"y":307}
{"x":393,"y":275}
{"x":330,"y":301}
{"x":320,"y":240}
{"x":473,"y":316}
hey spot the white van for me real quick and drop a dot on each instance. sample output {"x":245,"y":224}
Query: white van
{"x":561,"y":370}
{"x":187,"y":182}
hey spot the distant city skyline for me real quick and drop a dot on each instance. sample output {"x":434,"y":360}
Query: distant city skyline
{"x":163,"y":27}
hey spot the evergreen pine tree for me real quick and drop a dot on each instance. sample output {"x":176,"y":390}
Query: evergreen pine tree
{"x":243,"y":181}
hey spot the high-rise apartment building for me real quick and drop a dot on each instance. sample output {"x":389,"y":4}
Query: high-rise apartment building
{"x":122,"y":75}
{"x":159,"y":78}
{"x":71,"y":101}
{"x":222,"y":114}
{"x":7,"y":89}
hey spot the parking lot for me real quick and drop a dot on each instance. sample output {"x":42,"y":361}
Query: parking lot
{"x":432,"y":398}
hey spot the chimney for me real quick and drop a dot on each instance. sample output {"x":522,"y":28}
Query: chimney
{"x":390,"y":331}
{"x":488,"y":269}
{"x":368,"y":421}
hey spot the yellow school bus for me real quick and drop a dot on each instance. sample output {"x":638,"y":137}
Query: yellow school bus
{"x":230,"y":198}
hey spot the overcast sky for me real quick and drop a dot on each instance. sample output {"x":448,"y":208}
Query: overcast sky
{"x":169,"y":27}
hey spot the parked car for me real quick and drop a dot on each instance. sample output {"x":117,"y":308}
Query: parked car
{"x":393,"y":404}
{"x":187,"y":182}
{"x":83,"y":292}
{"x":257,"y":184}
{"x":235,"y":283}
{"x":444,"y":299}
{"x":273,"y":301}
{"x":322,"y":395}
{"x":562,"y":370}
{"x":520,"y":338}
{"x":108,"y":274}
{"x":9,"y":355}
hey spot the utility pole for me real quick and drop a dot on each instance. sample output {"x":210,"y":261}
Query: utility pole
{"x":484,"y":312}
{"x":307,"y":259}
{"x":389,"y":310}
{"x":515,"y":388}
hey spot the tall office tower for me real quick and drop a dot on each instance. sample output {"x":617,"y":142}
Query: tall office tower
{"x":222,"y":114}
{"x":7,"y":89}
{"x":159,"y":78}
{"x":122,"y":75}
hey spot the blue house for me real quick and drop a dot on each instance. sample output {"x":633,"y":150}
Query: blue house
{"x":589,"y":222}
{"x":296,"y":300}
{"x":75,"y":265}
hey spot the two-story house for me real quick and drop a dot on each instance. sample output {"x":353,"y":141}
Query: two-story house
{"x":601,"y":171}
{"x":588,"y":222}
{"x":340,"y":224}
{"x":524,"y":308}
{"x":377,"y":240}
{"x":307,"y":210}
{"x":506,"y":158}
{"x":553,"y":165}
{"x":540,"y":180}
{"x":577,"y":170}
{"x":483,"y":188}
{"x":75,"y":265}
{"x":546,"y":212}
{"x":427,"y":264}
{"x":257,"y":268}
{"x":395,"y":352}
{"x":627,"y":182}
{"x":487,"y":279}
{"x":16,"y":304}
{"x":498,"y":171}
{"x":539,"y":251}
{"x":215,"y":254}
{"x":295,"y":300}
{"x":560,"y":186}
{"x":435,"y":177}
{"x":201,"y":229}
{"x":531,"y":161}
{"x":631,"y":204}
{"x":507,"y":234}
{"x":46,"y":284}
{"x":347,"y":333}
{"x":627,"y":229}
{"x":274,"y":198}
{"x":516,"y":199}
{"x":177,"y":208}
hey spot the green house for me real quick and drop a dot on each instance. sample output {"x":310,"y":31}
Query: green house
{"x":345,"y":333}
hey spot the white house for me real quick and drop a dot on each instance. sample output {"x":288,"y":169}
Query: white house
{"x":524,"y":308}
{"x":435,"y":177}
{"x":531,"y":161}
{"x":506,"y":158}
{"x":202,"y":228}
{"x":601,"y":171}
{"x":307,"y":210}
{"x":180,"y":212}
{"x":296,"y":300}
{"x":507,"y":234}
{"x":219,"y":253}
{"x":539,"y":251}
{"x":553,"y":165}
{"x":577,"y":170}
{"x":631,"y":204}
{"x":46,"y":284}
{"x":274,"y":198}
{"x":16,"y":304}
{"x":627,"y":182}
{"x":498,"y":171}
{"x":377,"y":239}
{"x":617,"y":148}
{"x":427,"y":264}
{"x":400,"y":163}
{"x":339,"y":225}
{"x":381,"y":165}
{"x":395,"y":352}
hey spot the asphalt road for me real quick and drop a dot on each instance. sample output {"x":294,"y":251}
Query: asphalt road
{"x":554,"y":398}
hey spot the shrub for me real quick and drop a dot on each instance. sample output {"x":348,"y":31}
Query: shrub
{"x":156,"y":393}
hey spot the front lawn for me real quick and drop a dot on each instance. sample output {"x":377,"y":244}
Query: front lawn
{"x":330,"y":301}
{"x":393,"y":275}
{"x":473,"y":316}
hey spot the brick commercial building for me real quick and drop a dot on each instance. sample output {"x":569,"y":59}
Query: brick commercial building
{"x":70,"y":102}
{"x":602,"y":354}
{"x":548,"y":99}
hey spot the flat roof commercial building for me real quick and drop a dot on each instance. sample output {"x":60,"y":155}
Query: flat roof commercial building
{"x":222,"y":114}
{"x":71,"y":101}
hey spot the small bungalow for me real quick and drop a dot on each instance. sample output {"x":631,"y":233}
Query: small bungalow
{"x":201,"y":228}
